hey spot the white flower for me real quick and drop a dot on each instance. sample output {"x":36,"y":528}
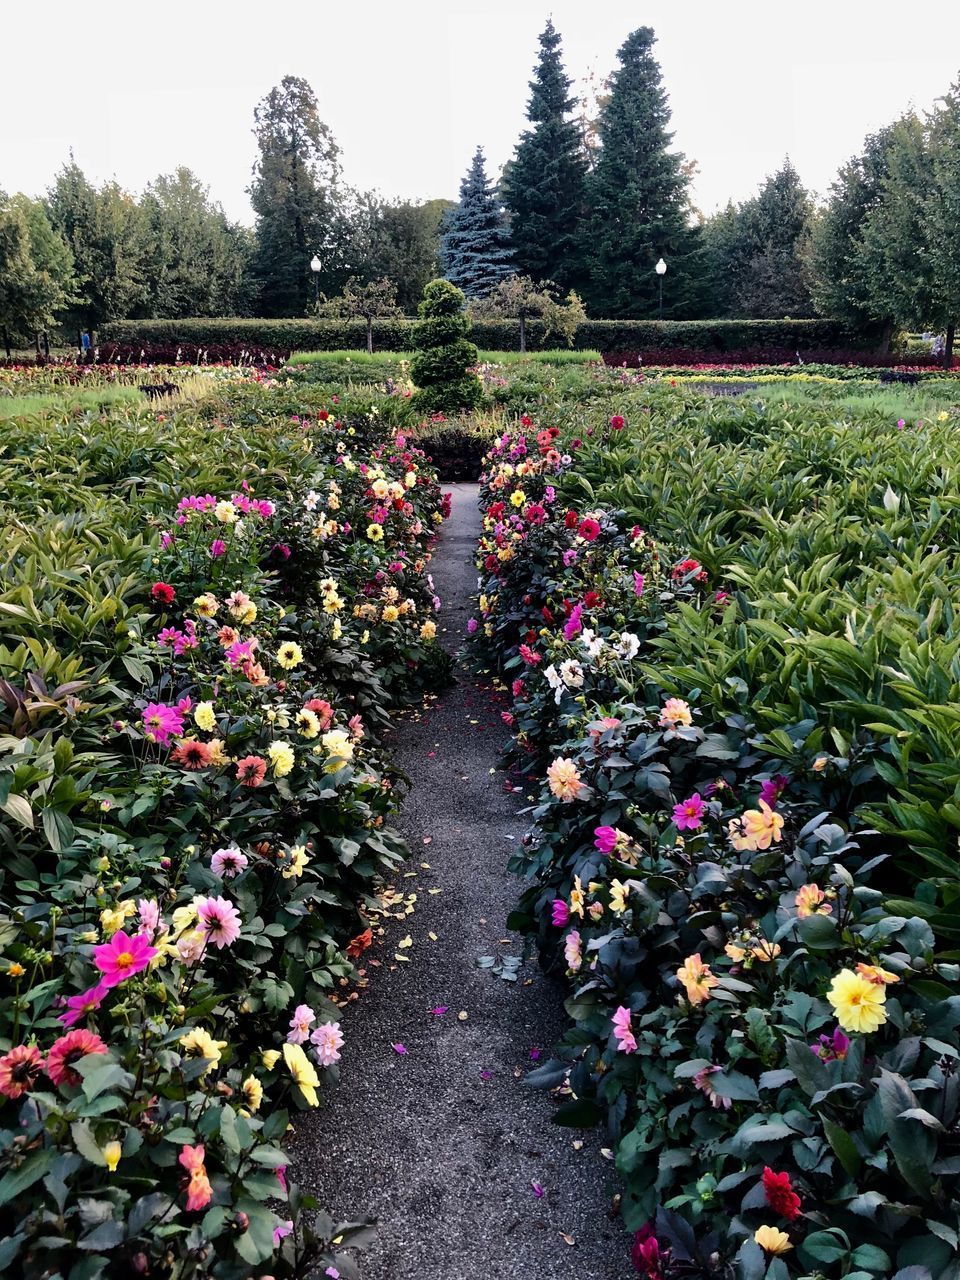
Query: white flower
{"x":571,"y":673}
{"x":629,"y":645}
{"x":593,"y":643}
{"x":311,"y":500}
{"x":553,"y":677}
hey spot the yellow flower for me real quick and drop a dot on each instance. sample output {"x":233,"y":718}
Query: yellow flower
{"x":576,"y":897}
{"x":563,"y":777}
{"x":735,"y":953}
{"x":675,"y":712}
{"x":429,"y":630}
{"x":772,"y":1240}
{"x":873,"y":973}
{"x":810,"y":901}
{"x":308,"y":723}
{"x":942,"y":416}
{"x":297,"y":861}
{"x":760,"y":827}
{"x":15,"y":970}
{"x":365,"y":638}
{"x":390,"y":613}
{"x":820,"y":764}
{"x":289,"y":655}
{"x":206,"y":605}
{"x":204,"y":716}
{"x":697,"y":979}
{"x":517,"y":498}
{"x":111,"y":1153}
{"x":410,"y":479}
{"x":281,"y":758}
{"x":183,"y":917}
{"x":270,"y":1058}
{"x":857,"y":1001}
{"x":337,"y":631}
{"x":618,"y":897}
{"x":332,"y":603}
{"x":252,"y":1091}
{"x":218,"y":752}
{"x":339,"y":749}
{"x":374,"y":533}
{"x":304,"y":1075}
{"x":113,"y":918}
{"x":199,"y":1043}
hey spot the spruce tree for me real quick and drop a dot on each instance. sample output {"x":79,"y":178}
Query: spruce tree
{"x":637,"y":196}
{"x":475,"y":251}
{"x":544,"y":186}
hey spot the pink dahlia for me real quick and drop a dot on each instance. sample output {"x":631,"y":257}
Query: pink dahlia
{"x":688,"y":815}
{"x":626,"y":1041}
{"x":327,"y":1041}
{"x":303,"y":1017}
{"x":122,"y":957}
{"x":79,"y":1006}
{"x":67,"y":1050}
{"x":161,"y":723}
{"x":19,"y":1070}
{"x":219,"y":919}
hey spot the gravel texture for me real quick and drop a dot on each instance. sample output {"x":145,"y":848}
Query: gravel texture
{"x":442,"y":1144}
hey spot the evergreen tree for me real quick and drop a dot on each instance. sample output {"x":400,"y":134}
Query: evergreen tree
{"x":769,"y":278}
{"x":835,"y":259}
{"x":475,"y":251}
{"x":36,"y":269}
{"x":941,"y":217}
{"x":294,"y":194}
{"x":638,"y":198}
{"x":544,"y":186}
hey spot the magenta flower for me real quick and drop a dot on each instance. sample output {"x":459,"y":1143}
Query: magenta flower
{"x":79,"y":1006}
{"x":573,"y":626}
{"x":773,"y":788}
{"x":831,"y":1048}
{"x":688,"y":815}
{"x":560,"y":913}
{"x":626,"y":1041}
{"x":122,"y":957}
{"x":606,"y":839}
{"x":218,"y":548}
{"x":219,"y":920}
{"x":638,"y":584}
{"x":161,"y":723}
{"x":239,"y":652}
{"x":472,"y":626}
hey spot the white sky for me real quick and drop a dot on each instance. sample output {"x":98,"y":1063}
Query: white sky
{"x":409,"y":89}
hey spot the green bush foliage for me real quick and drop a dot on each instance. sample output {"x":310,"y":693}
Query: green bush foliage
{"x":441,"y":367}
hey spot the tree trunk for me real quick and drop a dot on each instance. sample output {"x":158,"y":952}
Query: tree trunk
{"x":523,"y":333}
{"x":6,"y":341}
{"x":370,"y":335}
{"x":948,"y":345}
{"x":46,"y":344}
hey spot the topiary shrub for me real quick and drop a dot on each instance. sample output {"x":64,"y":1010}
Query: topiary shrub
{"x":443,"y":354}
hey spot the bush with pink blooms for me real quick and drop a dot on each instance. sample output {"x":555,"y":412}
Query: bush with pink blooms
{"x":196,"y":812}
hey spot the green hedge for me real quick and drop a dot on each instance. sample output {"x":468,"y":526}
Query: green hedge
{"x":502,"y":335}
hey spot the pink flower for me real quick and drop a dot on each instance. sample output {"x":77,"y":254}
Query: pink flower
{"x":218,"y":548}
{"x":327,"y":1040}
{"x":160,"y":722}
{"x":67,"y":1050}
{"x":219,"y":919}
{"x":638,"y":584}
{"x":701,"y":1081}
{"x":573,"y":626}
{"x":689,"y":814}
{"x":228,"y":862}
{"x":606,"y":839}
{"x":773,"y":788}
{"x":149,"y":916}
{"x":239,"y":652}
{"x":589,"y":529}
{"x":617,"y":422}
{"x":19,"y":1069}
{"x":626,"y":1041}
{"x":530,"y":657}
{"x":569,"y":557}
{"x":472,"y":626}
{"x":573,"y":950}
{"x":282,"y":1229}
{"x":79,"y":1006}
{"x":560,"y":913}
{"x":300,"y":1023}
{"x":122,"y":957}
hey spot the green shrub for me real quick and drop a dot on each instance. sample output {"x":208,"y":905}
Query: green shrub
{"x":439,"y":369}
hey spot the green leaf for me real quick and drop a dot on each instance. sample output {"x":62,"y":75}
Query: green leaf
{"x":843,"y":1145}
{"x":15,"y":1181}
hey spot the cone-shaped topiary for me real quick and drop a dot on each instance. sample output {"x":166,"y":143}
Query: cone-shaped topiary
{"x":439,"y":369}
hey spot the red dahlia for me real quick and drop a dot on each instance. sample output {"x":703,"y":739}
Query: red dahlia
{"x":780,"y":1194}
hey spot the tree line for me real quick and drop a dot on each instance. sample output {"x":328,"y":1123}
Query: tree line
{"x":588,"y":204}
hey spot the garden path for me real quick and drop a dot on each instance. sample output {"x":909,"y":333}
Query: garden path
{"x":443,"y":1144}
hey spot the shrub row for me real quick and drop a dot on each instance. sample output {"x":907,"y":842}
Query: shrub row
{"x":721,"y":717}
{"x":205,"y":616}
{"x":706,"y":338}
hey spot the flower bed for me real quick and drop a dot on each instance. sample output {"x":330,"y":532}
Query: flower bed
{"x":202,"y":630}
{"x":721,"y":717}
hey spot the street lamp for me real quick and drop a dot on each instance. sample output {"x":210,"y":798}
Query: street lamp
{"x":316,"y":266}
{"x":661,"y":270}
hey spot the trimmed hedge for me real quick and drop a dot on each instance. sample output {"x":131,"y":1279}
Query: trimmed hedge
{"x":703,"y":336}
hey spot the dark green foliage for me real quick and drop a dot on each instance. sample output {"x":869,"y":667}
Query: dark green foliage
{"x":400,"y":242}
{"x":294,"y":195}
{"x":754,"y":252}
{"x":504,"y":335}
{"x":638,"y":198}
{"x":475,"y":251}
{"x":439,"y":369}
{"x":36,"y":268}
{"x":544,"y":186}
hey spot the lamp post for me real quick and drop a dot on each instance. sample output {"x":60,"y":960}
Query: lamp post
{"x":661,"y":270}
{"x":316,"y":266}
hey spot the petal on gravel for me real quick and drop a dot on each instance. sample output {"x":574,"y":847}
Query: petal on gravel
{"x":537,"y":1189}
{"x":400,"y":1049}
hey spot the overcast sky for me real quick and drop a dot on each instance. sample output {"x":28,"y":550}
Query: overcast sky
{"x":410,"y":88}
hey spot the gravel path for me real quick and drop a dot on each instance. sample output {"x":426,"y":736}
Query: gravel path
{"x":442,"y":1144}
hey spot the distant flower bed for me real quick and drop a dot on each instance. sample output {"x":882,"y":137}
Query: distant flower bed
{"x":766,"y":359}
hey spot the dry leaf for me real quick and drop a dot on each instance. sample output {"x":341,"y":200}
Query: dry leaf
{"x":405,"y":942}
{"x":567,"y":1239}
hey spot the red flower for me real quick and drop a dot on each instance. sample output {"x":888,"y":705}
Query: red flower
{"x":780,"y":1194}
{"x":358,"y":945}
{"x":192,"y":754}
{"x":526,"y":420}
{"x":617,"y":422}
{"x":65,"y":1052}
{"x":645,"y":1254}
{"x":591,"y":600}
{"x":570,"y":520}
{"x":589,"y":529}
{"x":163,"y":592}
{"x":530,"y":658}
